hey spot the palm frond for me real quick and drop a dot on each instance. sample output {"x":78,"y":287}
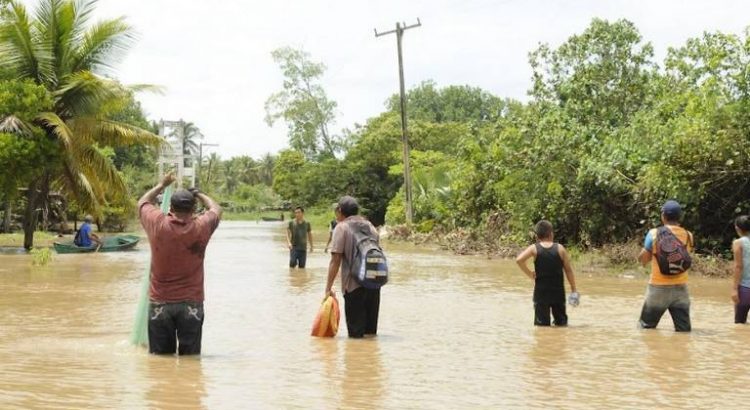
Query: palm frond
{"x":20,"y":51}
{"x":113,"y":133}
{"x":14,"y":125}
{"x":148,"y":88}
{"x":103,"y":45}
{"x":57,"y":128}
{"x":84,"y":94}
{"x":100,"y":172}
{"x":75,"y":183}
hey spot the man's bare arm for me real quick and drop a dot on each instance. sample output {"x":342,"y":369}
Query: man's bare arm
{"x":151,"y":195}
{"x":333,"y":271}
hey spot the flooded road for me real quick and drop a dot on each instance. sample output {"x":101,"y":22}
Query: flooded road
{"x":454,"y":332}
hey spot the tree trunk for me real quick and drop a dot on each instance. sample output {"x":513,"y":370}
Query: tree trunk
{"x":30,"y":215}
{"x":8,"y":213}
{"x":35,"y":196}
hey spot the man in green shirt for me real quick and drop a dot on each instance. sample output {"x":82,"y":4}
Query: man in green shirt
{"x":298,"y":236}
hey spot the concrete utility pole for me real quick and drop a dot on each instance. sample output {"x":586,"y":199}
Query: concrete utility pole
{"x":400,"y":28}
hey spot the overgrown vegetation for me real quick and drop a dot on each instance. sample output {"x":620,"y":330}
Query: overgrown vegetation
{"x":607,"y":135}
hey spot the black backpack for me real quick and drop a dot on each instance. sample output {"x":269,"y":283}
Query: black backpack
{"x":369,"y":267}
{"x":672,"y":256}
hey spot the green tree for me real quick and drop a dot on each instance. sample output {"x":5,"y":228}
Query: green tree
{"x":22,"y":144}
{"x":56,"y":48}
{"x":600,"y":77}
{"x":287,"y":182}
{"x":455,"y":103}
{"x":303,"y":104}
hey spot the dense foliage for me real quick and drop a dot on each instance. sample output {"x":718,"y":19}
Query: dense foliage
{"x":607,"y":135}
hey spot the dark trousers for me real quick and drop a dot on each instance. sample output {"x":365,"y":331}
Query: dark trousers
{"x":297,"y":257}
{"x":542,"y":311}
{"x":362,"y":307}
{"x":659,"y":299}
{"x":741,"y":309}
{"x":173,"y":324}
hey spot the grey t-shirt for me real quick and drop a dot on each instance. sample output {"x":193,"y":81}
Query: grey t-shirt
{"x":299,"y":233}
{"x":343,"y":242}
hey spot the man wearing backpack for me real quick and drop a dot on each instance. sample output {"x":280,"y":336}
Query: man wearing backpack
{"x":668,"y":249}
{"x":361,"y":304}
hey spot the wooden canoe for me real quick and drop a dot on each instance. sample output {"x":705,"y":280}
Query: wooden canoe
{"x":269,"y":219}
{"x":111,"y":244}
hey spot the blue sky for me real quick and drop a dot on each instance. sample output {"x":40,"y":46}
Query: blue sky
{"x":214,"y":58}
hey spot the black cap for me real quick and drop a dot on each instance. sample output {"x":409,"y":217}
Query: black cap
{"x":182,"y":201}
{"x":348,"y":206}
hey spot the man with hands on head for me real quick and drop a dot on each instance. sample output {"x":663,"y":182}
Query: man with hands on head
{"x":178,"y":243}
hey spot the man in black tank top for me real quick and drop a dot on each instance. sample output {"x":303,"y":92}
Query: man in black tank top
{"x":550,"y":260}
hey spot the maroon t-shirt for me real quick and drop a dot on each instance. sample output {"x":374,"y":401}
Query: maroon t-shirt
{"x":178,"y":247}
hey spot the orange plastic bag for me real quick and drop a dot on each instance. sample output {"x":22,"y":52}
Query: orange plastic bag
{"x":326,"y":323}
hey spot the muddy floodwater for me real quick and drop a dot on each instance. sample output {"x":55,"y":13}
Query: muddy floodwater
{"x":455,"y":332}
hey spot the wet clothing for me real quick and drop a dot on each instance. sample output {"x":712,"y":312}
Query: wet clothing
{"x":178,"y":247}
{"x":362,"y":305}
{"x":297,"y":258}
{"x":660,"y":298}
{"x":168,"y":321}
{"x":549,"y":286}
{"x":743,"y":306}
{"x":299,"y":233}
{"x":542,"y":313}
{"x":666,"y":292}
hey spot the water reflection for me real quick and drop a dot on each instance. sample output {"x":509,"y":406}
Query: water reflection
{"x":300,"y":280}
{"x":175,"y":383}
{"x":363,"y":374}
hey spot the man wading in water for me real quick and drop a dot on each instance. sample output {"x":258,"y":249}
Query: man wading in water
{"x":178,"y":245}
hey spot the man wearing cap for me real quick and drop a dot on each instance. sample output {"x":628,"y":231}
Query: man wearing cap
{"x":178,"y":246}
{"x":361,"y":305}
{"x":666,"y":291}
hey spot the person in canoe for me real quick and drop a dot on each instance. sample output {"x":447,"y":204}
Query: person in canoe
{"x":178,"y":247}
{"x":85,"y":237}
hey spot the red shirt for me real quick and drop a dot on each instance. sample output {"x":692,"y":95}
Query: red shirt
{"x":178,"y":247}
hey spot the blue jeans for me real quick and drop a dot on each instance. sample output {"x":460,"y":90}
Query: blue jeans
{"x":297,"y":257}
{"x":659,"y":299}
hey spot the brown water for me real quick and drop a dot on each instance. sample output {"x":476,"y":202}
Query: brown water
{"x":455,"y":332}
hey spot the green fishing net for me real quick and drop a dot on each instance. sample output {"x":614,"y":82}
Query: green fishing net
{"x":139,"y":334}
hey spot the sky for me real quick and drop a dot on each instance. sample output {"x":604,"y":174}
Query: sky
{"x":214,"y":58}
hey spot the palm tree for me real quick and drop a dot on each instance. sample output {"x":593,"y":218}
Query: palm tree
{"x":191,"y":133}
{"x":57,"y":49}
{"x":265,"y":169}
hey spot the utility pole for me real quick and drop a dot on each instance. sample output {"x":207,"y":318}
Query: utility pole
{"x":200,"y":162}
{"x":400,"y":28}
